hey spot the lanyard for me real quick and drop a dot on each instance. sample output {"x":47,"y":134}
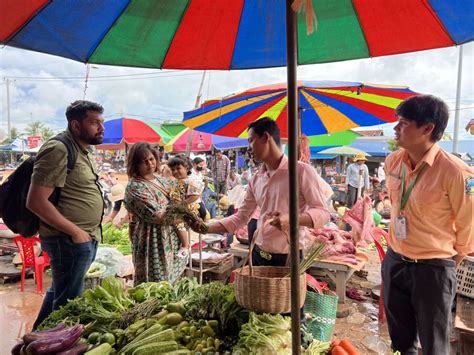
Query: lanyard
{"x":406,"y":195}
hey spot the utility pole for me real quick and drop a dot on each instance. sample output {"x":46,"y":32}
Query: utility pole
{"x":189,"y":143}
{"x":458,"y":104}
{"x":8,"y":108}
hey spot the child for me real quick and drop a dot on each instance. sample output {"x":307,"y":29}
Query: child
{"x":183,"y":190}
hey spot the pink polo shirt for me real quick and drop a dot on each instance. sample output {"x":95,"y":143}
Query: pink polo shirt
{"x":270,"y":193}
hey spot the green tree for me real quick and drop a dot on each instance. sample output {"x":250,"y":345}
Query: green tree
{"x":34,"y":128}
{"x":14,"y":135}
{"x":392,"y":145}
{"x":46,"y":133}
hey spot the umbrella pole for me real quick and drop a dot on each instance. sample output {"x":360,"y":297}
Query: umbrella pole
{"x":291,"y":60}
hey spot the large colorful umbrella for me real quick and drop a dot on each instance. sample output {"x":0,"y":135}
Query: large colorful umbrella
{"x":201,"y":142}
{"x":324,"y":106}
{"x":237,"y":34}
{"x":126,"y":130}
{"x":332,"y":140}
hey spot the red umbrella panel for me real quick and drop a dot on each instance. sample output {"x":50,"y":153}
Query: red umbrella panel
{"x":128,"y":130}
{"x":201,"y":142}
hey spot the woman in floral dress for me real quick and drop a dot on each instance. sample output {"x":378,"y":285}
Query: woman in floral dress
{"x":154,"y":246}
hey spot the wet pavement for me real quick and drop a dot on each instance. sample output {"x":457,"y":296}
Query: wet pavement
{"x":18,"y":310}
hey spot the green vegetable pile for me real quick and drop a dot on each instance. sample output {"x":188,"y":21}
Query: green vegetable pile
{"x":101,"y":309}
{"x":265,"y":334}
{"x":96,"y":270}
{"x":186,"y":318}
{"x":216,"y":301}
{"x":117,"y":238}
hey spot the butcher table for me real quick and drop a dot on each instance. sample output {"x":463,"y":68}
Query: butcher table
{"x":337,"y":272}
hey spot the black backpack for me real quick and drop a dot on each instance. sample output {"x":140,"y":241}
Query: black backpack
{"x":14,"y":192}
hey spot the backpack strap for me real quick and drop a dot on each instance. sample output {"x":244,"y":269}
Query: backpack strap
{"x":71,"y":161}
{"x":71,"y":152}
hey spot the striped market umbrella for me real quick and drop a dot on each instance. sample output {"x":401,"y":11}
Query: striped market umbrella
{"x":237,"y":34}
{"x":324,"y":107}
{"x":201,"y":142}
{"x":127,"y":130}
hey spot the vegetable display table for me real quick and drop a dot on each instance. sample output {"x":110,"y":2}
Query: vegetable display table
{"x":205,"y":244}
{"x":337,"y":272}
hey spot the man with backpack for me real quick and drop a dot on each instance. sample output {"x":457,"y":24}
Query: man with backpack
{"x":68,"y":201}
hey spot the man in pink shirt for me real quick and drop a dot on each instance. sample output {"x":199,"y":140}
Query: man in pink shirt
{"x":268,"y":190}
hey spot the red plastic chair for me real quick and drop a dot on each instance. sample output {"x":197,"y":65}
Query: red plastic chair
{"x":30,"y":260}
{"x":376,"y":234}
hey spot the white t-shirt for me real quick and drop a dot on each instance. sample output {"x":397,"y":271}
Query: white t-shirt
{"x":381,"y":173}
{"x":196,"y":179}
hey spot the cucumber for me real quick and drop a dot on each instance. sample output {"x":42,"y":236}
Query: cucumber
{"x":102,"y":349}
{"x":154,"y":338}
{"x":157,"y":328}
{"x":156,"y":348}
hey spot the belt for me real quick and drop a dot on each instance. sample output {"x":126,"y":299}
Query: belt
{"x":437,"y":261}
{"x":264,"y":254}
{"x":268,"y":256}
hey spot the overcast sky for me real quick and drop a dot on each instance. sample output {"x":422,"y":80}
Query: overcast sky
{"x":155,"y":96}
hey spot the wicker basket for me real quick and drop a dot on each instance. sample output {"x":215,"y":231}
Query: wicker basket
{"x":266,"y":289}
{"x":465,"y":277}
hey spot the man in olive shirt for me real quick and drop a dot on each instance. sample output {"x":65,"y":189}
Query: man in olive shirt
{"x":69,"y":230}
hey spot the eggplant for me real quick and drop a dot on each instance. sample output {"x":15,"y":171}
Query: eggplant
{"x":60,"y":326}
{"x":17,"y":348}
{"x":54,"y":344}
{"x":53,"y":332}
{"x":76,"y":349}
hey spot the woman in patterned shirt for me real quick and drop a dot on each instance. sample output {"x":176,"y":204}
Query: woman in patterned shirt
{"x":155,"y":248}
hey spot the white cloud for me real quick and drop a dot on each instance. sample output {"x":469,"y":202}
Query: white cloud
{"x":168,"y":93}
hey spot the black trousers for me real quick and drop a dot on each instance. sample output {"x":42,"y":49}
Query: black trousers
{"x":418,"y":298}
{"x":352,"y":195}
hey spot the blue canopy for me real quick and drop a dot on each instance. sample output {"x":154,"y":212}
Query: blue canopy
{"x":225,"y":143}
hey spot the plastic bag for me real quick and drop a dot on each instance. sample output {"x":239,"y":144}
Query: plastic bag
{"x":111,"y":258}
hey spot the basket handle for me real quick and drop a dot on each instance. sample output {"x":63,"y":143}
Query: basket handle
{"x":252,"y":245}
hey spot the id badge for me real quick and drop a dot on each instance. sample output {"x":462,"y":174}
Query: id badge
{"x":401,"y":228}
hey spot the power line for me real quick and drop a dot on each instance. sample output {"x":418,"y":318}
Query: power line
{"x":136,"y":76}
